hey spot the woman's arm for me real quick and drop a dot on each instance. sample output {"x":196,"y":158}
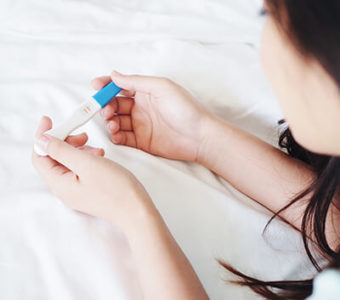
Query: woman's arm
{"x":87,"y":182}
{"x":163,"y":270}
{"x":257,"y":169}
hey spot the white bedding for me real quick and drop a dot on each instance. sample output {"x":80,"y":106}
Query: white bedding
{"x":49,"y":52}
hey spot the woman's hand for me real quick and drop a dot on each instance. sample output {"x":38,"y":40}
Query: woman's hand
{"x":89,"y":183}
{"x":86,"y":181}
{"x":154,"y":115}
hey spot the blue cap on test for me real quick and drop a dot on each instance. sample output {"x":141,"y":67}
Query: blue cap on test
{"x":106,"y":94}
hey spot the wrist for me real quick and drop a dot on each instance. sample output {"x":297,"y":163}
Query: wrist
{"x":142,"y":222}
{"x":140,"y":213}
{"x":215,"y":132}
{"x":209,"y":124}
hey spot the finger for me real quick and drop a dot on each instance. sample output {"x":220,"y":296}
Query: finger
{"x":138,"y":83}
{"x":46,"y":163}
{"x":127,"y":93}
{"x":99,"y":82}
{"x":124,"y":105}
{"x":39,"y":161}
{"x":49,"y":169}
{"x":44,"y":125}
{"x":126,"y":138}
{"x":77,"y":140}
{"x":119,"y":105}
{"x":56,"y":176}
{"x":67,"y":155}
{"x":116,"y":123}
{"x":55,"y":173}
{"x":43,"y":163}
{"x":92,"y":150}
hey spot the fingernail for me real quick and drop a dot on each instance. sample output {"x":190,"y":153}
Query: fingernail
{"x":116,"y":73}
{"x":104,"y":112}
{"x":84,"y":134}
{"x":43,"y":142}
{"x":110,"y":126}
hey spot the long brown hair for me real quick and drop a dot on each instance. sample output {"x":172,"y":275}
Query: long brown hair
{"x":313,"y":27}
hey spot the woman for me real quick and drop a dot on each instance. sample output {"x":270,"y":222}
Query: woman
{"x":300,"y":53}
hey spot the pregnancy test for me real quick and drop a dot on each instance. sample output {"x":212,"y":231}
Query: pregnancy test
{"x":85,"y":112}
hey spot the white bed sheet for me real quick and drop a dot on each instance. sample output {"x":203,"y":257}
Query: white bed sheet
{"x":49,"y":51}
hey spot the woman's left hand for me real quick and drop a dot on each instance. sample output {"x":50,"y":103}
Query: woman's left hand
{"x":89,"y":183}
{"x":86,"y":181}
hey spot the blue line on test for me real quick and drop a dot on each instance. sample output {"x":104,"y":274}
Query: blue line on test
{"x":106,"y":94}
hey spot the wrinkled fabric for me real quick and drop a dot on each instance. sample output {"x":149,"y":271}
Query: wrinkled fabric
{"x":49,"y":52}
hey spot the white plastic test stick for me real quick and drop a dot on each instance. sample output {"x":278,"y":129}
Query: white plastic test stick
{"x":85,"y":112}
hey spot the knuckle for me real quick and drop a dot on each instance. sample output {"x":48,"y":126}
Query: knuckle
{"x":55,"y":147}
{"x":166,"y":81}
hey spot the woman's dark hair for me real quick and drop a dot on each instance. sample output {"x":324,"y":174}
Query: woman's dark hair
{"x":313,"y":27}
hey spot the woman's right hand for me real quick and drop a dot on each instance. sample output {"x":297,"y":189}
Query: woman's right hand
{"x":155,"y":115}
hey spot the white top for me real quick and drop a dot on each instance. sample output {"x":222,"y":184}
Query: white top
{"x":326,"y":286}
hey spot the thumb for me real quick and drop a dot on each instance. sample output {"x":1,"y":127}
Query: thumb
{"x":67,"y":155}
{"x":139,"y":83}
